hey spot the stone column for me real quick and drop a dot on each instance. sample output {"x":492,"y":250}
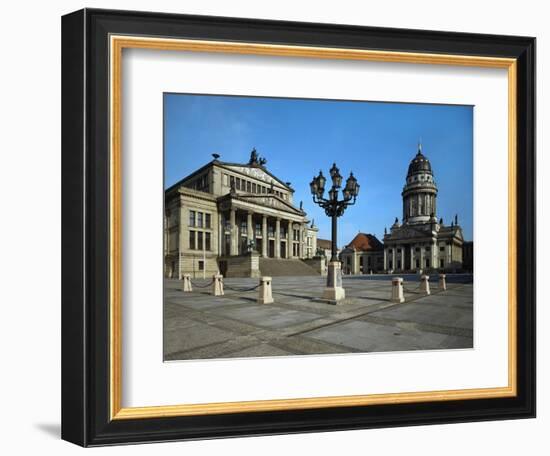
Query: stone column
{"x":233,"y":233}
{"x":221,"y":235}
{"x":412,"y":259}
{"x":289,"y":240}
{"x":265,"y":241}
{"x":249,"y":228}
{"x":422,"y":265}
{"x":385,"y":259}
{"x":302,"y":234}
{"x":435,"y":262}
{"x":393,"y":265}
{"x":277,"y":237}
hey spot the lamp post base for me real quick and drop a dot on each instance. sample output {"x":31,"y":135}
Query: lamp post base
{"x":334,"y":290}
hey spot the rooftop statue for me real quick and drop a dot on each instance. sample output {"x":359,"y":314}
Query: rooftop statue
{"x":255,"y":159}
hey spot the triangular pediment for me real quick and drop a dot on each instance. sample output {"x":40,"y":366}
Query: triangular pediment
{"x":271,"y":201}
{"x":256,"y":172}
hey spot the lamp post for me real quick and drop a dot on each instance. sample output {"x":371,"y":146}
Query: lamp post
{"x":334,"y":208}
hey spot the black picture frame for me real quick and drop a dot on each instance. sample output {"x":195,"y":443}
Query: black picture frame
{"x":85,"y":228}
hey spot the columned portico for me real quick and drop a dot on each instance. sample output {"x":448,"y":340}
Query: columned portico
{"x":275,"y":236}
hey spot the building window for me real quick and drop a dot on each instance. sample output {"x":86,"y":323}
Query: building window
{"x":253,"y":188}
{"x":441,"y":249}
{"x":428,"y":249}
{"x":441,"y":263}
{"x":207,"y":221}
{"x":417,"y":264}
{"x":199,"y":240}
{"x":391,"y":264}
{"x":368,"y":261}
{"x":244,"y":227}
{"x":192,"y":215}
{"x":192,"y":240}
{"x":258,"y":229}
{"x":390,"y":251}
{"x":398,"y":264}
{"x":398,"y":250}
{"x":417,"y":249}
{"x":231,"y":181}
{"x":427,"y":262}
{"x":270,"y":230}
{"x":238,"y":183}
{"x":207,"y":245}
{"x":264,"y":189}
{"x":201,"y":265}
{"x":248,"y":186}
{"x":199,"y":219}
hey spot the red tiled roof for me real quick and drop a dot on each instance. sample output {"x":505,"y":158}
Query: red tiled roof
{"x":365,"y":242}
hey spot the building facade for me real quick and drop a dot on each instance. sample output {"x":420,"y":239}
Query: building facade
{"x":421,"y":242}
{"x":363,"y":255}
{"x":226,"y":210}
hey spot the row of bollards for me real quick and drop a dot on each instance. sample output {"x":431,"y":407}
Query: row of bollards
{"x":397,"y":287}
{"x":265,"y":295}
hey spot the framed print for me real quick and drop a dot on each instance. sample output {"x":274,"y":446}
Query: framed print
{"x":277,"y":227}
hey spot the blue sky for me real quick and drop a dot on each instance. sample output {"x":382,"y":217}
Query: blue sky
{"x":299,"y":137}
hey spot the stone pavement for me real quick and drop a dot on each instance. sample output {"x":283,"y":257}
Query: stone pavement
{"x":198,"y":325}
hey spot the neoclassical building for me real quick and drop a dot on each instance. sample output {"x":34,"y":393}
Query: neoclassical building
{"x":421,"y":242}
{"x":226,"y":210}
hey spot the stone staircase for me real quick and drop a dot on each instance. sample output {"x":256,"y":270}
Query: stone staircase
{"x":281,"y":267}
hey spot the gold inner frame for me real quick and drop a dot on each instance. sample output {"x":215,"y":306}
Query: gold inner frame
{"x":117,"y":44}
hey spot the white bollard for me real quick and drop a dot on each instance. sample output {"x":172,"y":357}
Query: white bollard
{"x":217,"y":285}
{"x":264,"y":292}
{"x":187,"y":282}
{"x":425,"y":284}
{"x":442,"y":282}
{"x":397,"y":290}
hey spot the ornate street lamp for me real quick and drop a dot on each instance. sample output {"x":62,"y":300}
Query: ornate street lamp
{"x":334,"y":208}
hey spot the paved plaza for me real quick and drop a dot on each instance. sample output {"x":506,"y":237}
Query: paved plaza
{"x":198,"y":325}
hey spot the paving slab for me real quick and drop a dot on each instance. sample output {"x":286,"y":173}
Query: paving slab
{"x":268,"y":316}
{"x":369,"y":337}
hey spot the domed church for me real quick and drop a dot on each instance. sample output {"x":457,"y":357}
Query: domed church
{"x":421,"y":242}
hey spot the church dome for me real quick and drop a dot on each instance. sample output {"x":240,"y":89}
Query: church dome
{"x":419,"y":164}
